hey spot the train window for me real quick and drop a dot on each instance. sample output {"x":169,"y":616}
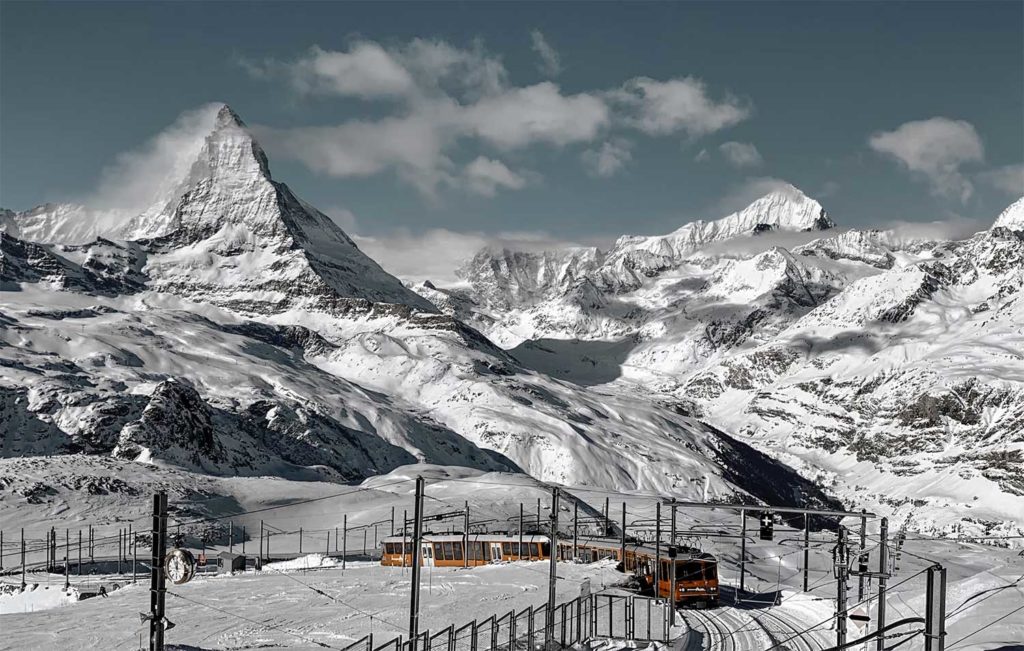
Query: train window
{"x":457,"y":548}
{"x":449,"y":555}
{"x":710,"y":572}
{"x":506,"y":549}
{"x":408,"y":548}
{"x":544,"y":549}
{"x":515,"y":548}
{"x":689,"y":571}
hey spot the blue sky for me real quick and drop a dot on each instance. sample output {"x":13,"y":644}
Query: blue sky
{"x":564,"y":121}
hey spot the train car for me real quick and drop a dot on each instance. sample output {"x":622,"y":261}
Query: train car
{"x":449,"y":550}
{"x":696,"y":572}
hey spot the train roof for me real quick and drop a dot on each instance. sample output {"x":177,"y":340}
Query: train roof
{"x":474,"y":537}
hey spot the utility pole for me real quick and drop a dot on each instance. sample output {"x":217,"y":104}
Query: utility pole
{"x":300,"y":541}
{"x":538,"y":513}
{"x":135,"y":555}
{"x":91,"y":548}
{"x":231,"y":536}
{"x":392,"y":526}
{"x":465,"y":540}
{"x":261,"y":546}
{"x":67,"y":559}
{"x":520,"y":531}
{"x":657,"y":551}
{"x":743,"y":552}
{"x":607,"y":522}
{"x":243,"y":540}
{"x":549,"y":619}
{"x":79,"y":552}
{"x":862,"y":559}
{"x":807,"y":548}
{"x":405,"y":535}
{"x":840,"y":565}
{"x":417,"y":533}
{"x":344,"y":542}
{"x":672,"y":557}
{"x":883,"y":575}
{"x":575,"y":528}
{"x":935,"y":610}
{"x":622,"y":545}
{"x":120,"y":551}
{"x":157,"y":587}
{"x":23,"y":584}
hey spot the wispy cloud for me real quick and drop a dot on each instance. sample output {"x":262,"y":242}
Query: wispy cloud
{"x":677,"y":105}
{"x":935,"y":149}
{"x":550,"y":61}
{"x":608,"y":159}
{"x":444,"y":98}
{"x":1009,"y":179}
{"x":741,"y":154}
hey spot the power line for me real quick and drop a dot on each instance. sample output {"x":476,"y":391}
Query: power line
{"x":253,"y":621}
{"x":992,"y":623}
{"x":333,"y":598}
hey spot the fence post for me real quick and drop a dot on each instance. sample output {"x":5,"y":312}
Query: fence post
{"x":472,"y":634}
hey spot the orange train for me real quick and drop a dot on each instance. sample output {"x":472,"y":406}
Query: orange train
{"x":696,"y":572}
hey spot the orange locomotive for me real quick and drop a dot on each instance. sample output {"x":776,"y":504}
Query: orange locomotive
{"x":696,"y":572}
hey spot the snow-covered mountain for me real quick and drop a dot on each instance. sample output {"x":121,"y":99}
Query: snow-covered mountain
{"x":235,"y":330}
{"x":879,"y":364}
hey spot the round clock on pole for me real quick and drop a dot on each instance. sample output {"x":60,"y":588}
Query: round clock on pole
{"x":179,"y":566}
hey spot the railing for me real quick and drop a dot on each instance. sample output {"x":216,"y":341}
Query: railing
{"x":627,"y":617}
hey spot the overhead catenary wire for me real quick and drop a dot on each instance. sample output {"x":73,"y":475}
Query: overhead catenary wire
{"x":253,"y":621}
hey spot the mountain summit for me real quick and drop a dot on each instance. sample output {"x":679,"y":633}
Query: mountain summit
{"x":258,"y":248}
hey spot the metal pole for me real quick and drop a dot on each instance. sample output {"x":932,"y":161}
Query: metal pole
{"x":120,"y":553}
{"x":91,"y":548}
{"x":243,"y":540}
{"x":883,"y":575}
{"x":327,"y":546}
{"x":465,"y":540}
{"x":417,"y":533}
{"x":135,"y":555}
{"x":344,"y":542}
{"x":657,"y":551}
{"x":392,"y":523}
{"x":549,"y":622}
{"x":935,"y":610}
{"x":622,"y":550}
{"x":1,"y":550}
{"x":156,"y":583}
{"x":261,"y":544}
{"x":538,"y":513}
{"x":520,"y":531}
{"x":672,"y":567}
{"x":23,"y":558}
{"x":575,"y":528}
{"x":335,"y":540}
{"x":840,"y":564}
{"x":743,"y":552}
{"x":67,"y":559}
{"x":79,"y":552}
{"x":863,"y":545}
{"x":300,"y":541}
{"x":807,"y":548}
{"x":405,"y":534}
{"x":231,"y":536}
{"x":607,"y":522}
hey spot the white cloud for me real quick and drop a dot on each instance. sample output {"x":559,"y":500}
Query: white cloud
{"x":664,"y":107}
{"x":484,"y":176}
{"x":550,"y":62}
{"x":1009,"y":179}
{"x":538,"y":113}
{"x":608,"y":159}
{"x":447,"y":99}
{"x":436,"y":253}
{"x":742,"y":195}
{"x":936,"y":149}
{"x":367,"y":70}
{"x":701,"y":156}
{"x":741,"y":154}
{"x":140,"y":177}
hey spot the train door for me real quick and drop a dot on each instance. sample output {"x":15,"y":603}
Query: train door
{"x":495,"y":551}
{"x":427,"y":551}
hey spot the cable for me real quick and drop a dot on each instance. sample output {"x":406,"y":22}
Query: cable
{"x":334,"y":599}
{"x":253,"y":621}
{"x":993,"y":622}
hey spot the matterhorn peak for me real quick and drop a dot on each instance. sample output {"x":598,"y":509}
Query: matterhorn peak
{"x":226,"y":117}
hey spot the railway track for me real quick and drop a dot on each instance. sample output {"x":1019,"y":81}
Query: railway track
{"x":744,"y":630}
